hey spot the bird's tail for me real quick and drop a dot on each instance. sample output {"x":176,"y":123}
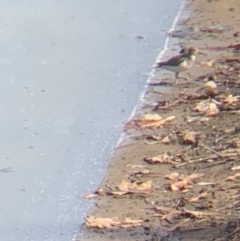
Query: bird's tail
{"x":157,"y":65}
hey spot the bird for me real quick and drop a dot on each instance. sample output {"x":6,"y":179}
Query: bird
{"x":179,"y":63}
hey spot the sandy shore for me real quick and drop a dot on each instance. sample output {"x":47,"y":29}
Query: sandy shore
{"x":200,"y":144}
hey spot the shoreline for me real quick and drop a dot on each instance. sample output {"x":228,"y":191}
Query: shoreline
{"x":130,"y":155}
{"x":151,"y":73}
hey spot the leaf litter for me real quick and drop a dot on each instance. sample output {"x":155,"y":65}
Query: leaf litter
{"x":208,"y":140}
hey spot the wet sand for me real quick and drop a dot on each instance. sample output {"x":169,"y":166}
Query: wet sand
{"x":217,"y":24}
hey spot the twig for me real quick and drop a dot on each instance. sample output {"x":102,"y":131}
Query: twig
{"x":210,"y":149}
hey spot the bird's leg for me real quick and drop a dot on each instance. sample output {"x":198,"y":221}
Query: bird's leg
{"x":177,"y":78}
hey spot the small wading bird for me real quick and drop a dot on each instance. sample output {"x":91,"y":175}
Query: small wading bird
{"x":180,"y":63}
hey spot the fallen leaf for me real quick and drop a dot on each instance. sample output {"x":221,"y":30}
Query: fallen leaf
{"x":208,"y":107}
{"x":235,"y":168}
{"x":213,"y":110}
{"x":185,"y":183}
{"x":160,"y":123}
{"x":90,"y":196}
{"x":128,"y":223}
{"x":157,"y":139}
{"x":150,"y":121}
{"x":201,"y":196}
{"x":178,"y":225}
{"x":191,"y":137}
{"x":111,"y":223}
{"x":135,"y":166}
{"x":132,"y":187}
{"x":202,"y":107}
{"x":95,"y":194}
{"x":172,"y":176}
{"x":234,"y":178}
{"x":166,"y":140}
{"x":210,"y":85}
{"x":197,"y":214}
{"x":190,"y":119}
{"x":93,"y":222}
{"x":180,"y":185}
{"x":234,"y":45}
{"x":163,"y":159}
{"x":171,"y":215}
{"x":207,"y":64}
{"x":206,"y":183}
{"x":230,"y":99}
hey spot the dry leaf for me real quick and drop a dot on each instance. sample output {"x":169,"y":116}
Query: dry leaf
{"x":213,"y":110}
{"x":197,"y":214}
{"x":150,"y":121}
{"x":93,"y":222}
{"x":206,"y":183}
{"x":208,"y":107}
{"x":210,"y":85}
{"x":201,"y":196}
{"x":178,"y":225}
{"x":132,"y":187}
{"x":230,"y":99}
{"x":180,"y":185}
{"x":191,"y":137}
{"x":208,"y":63}
{"x":90,"y":195}
{"x":160,"y":123}
{"x":202,"y":107}
{"x":234,"y":45}
{"x":234,"y":178}
{"x":163,"y":159}
{"x":98,"y":192}
{"x":235,"y":168}
{"x":166,"y":140}
{"x":172,"y":176}
{"x":128,"y":223}
{"x":171,"y":215}
{"x":185,"y":183}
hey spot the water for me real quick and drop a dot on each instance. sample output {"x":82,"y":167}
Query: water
{"x":71,"y":73}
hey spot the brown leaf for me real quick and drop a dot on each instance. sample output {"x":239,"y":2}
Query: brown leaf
{"x":171,"y":215}
{"x":128,"y":223}
{"x":90,"y":195}
{"x":132,"y":187}
{"x":198,"y":214}
{"x":203,"y":195}
{"x":207,"y":64}
{"x":185,"y":183}
{"x":235,"y":168}
{"x":93,"y":222}
{"x":234,"y":178}
{"x":234,"y":45}
{"x":95,"y":194}
{"x":163,"y":159}
{"x":178,"y":225}
{"x":202,"y":107}
{"x":191,"y":137}
{"x":230,"y":99}
{"x":180,"y":185}
{"x":166,"y":140}
{"x":160,"y":123}
{"x":172,"y":176}
{"x":150,"y":121}
{"x":208,"y":107}
{"x":210,"y":85}
{"x":213,"y":110}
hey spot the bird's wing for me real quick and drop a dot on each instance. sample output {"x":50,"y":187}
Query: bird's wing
{"x":174,"y":61}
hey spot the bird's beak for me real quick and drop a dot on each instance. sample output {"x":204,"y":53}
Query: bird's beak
{"x":200,"y":52}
